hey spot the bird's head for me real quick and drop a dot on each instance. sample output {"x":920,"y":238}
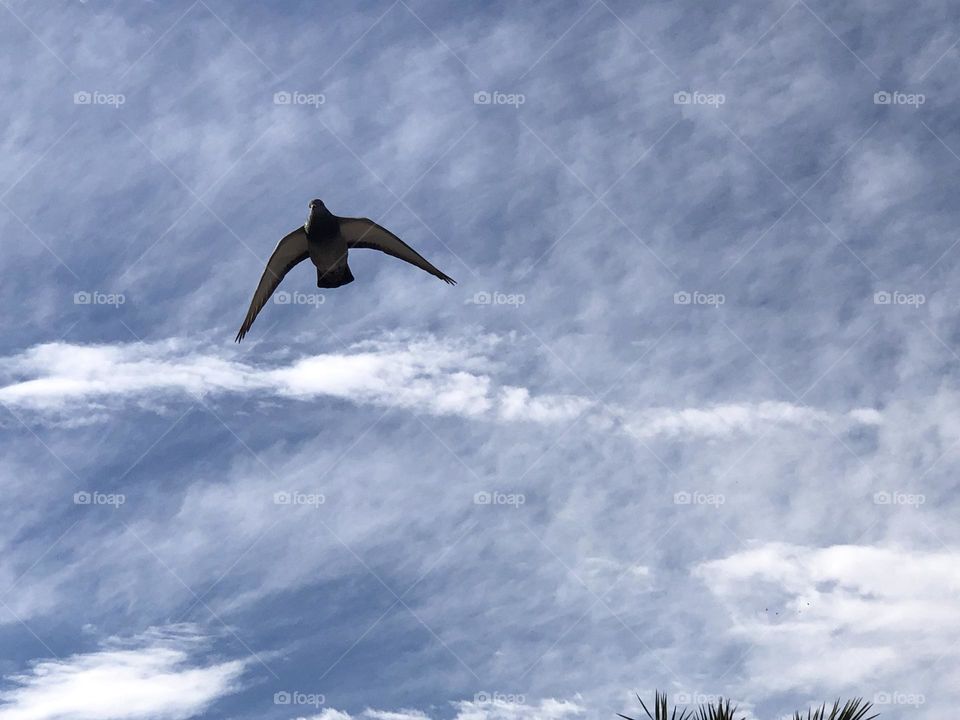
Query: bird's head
{"x":317,"y":204}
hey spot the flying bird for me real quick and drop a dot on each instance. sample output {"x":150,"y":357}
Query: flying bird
{"x":326,"y":240}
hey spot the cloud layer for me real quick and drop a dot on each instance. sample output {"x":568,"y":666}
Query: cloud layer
{"x":701,"y":368}
{"x":423,"y":375}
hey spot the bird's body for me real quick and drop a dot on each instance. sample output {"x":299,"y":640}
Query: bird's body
{"x":327,"y":248}
{"x":327,"y":239}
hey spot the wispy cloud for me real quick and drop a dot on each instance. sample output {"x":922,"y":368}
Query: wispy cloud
{"x":649,"y":427}
{"x":440,"y":376}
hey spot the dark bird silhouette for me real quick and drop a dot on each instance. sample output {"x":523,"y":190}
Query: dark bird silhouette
{"x":326,"y":239}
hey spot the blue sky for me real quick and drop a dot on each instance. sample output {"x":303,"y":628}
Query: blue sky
{"x":688,"y":421}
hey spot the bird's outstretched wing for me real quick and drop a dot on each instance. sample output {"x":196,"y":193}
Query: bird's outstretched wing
{"x":365,"y":233}
{"x":290,"y":251}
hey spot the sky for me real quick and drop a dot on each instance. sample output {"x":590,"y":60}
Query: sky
{"x":688,"y":422}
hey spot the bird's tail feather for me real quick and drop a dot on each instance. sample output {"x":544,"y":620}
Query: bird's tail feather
{"x":335,"y":277}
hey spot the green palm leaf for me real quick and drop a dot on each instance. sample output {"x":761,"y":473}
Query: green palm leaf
{"x":852,"y":710}
{"x":660,"y":710}
{"x":855,"y":709}
{"x":720,"y":711}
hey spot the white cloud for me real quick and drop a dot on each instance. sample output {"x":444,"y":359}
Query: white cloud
{"x":516,"y":404}
{"x":482,"y":708}
{"x":433,"y":375}
{"x":156,"y":675}
{"x":496,"y":709}
{"x":395,"y":715}
{"x":747,"y":418}
{"x":426,"y":376}
{"x":840,"y":616}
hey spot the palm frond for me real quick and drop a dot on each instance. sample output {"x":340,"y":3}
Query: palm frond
{"x":660,"y":709}
{"x":855,"y":709}
{"x":722,"y":710}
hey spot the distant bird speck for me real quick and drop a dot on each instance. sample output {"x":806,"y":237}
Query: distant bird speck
{"x":326,"y":239}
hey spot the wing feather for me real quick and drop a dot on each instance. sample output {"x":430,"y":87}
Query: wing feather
{"x":364,"y":233}
{"x":292,"y":249}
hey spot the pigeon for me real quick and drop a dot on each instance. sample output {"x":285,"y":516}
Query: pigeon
{"x":326,"y":240}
